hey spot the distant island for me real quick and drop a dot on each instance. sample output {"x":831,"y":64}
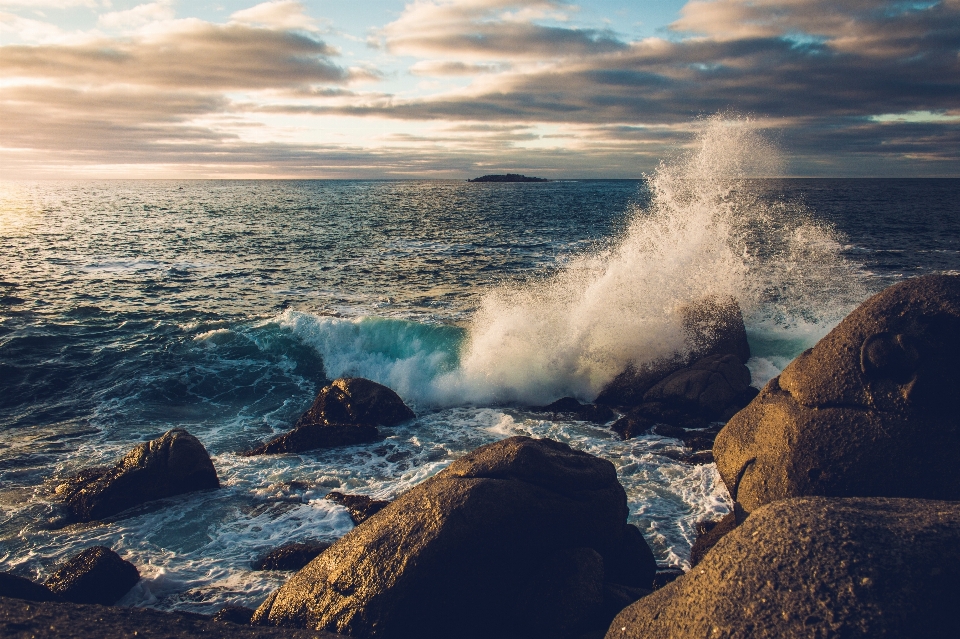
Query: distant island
{"x":509,"y":177}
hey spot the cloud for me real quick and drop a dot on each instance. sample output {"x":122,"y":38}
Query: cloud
{"x":443,"y":67}
{"x":185,"y":54}
{"x":138,"y":16}
{"x":277,"y":14}
{"x":492,"y":30}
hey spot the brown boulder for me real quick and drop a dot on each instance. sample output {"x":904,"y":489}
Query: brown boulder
{"x":816,"y":567}
{"x":22,"y":588}
{"x":172,"y":464}
{"x":522,"y":527}
{"x":871,"y":410}
{"x":708,"y":386}
{"x":713,"y":326}
{"x":96,"y":575}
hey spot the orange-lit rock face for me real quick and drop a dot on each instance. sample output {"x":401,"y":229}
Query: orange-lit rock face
{"x":872,"y":410}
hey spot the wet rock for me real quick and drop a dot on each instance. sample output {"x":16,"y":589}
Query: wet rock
{"x":172,"y":464}
{"x":596,"y":413}
{"x":96,"y":575}
{"x":360,"y":507}
{"x":871,"y":410}
{"x":234,"y":614}
{"x":708,"y":534}
{"x":355,"y":400}
{"x":708,"y":386}
{"x":345,"y":413}
{"x":290,"y":556}
{"x":510,"y":520}
{"x":816,"y":567}
{"x":713,"y":326}
{"x":312,"y":436}
{"x":641,"y":419}
{"x":21,"y":588}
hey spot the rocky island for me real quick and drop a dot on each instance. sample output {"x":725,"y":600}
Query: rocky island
{"x":509,"y":177}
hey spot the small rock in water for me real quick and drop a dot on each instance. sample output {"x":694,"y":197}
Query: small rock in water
{"x":21,"y":588}
{"x":345,"y":413}
{"x":596,"y":413}
{"x":172,"y":464}
{"x":360,"y":507}
{"x":290,"y":556}
{"x":96,"y":575}
{"x":234,"y":614}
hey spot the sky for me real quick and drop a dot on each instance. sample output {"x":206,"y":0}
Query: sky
{"x":461,"y":88}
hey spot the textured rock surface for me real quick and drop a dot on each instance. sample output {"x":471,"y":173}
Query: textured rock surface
{"x":31,"y":620}
{"x":816,"y":567}
{"x":708,"y":386}
{"x":344,"y":413}
{"x":871,"y":410}
{"x":96,"y":575}
{"x":473,"y":552}
{"x":354,"y":400}
{"x":172,"y":464}
{"x":21,"y":588}
{"x":596,"y":413}
{"x":290,"y":556}
{"x":712,"y":327}
{"x":360,"y":507}
{"x":234,"y":614}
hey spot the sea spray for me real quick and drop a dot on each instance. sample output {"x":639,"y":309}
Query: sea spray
{"x":706,"y":232}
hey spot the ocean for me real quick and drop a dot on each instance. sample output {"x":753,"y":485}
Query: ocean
{"x":128,"y":308}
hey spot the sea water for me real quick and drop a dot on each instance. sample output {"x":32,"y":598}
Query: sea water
{"x":128,"y":308}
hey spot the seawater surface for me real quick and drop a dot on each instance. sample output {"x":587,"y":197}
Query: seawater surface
{"x":129,"y":308}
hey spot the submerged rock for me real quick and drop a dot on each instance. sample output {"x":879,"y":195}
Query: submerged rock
{"x":871,"y":410}
{"x":96,"y":575}
{"x":360,"y":507}
{"x":344,"y":413}
{"x":172,"y":464}
{"x":290,"y":556}
{"x":522,"y":537}
{"x":596,"y":413}
{"x":22,"y":588}
{"x":713,"y":326}
{"x":816,"y":567}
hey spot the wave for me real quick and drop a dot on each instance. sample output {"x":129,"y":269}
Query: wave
{"x":708,"y":230}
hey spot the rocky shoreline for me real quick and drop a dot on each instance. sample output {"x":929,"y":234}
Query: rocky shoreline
{"x":846,"y":519}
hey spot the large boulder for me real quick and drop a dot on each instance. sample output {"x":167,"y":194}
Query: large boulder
{"x":96,"y":575}
{"x":871,"y":410}
{"x":172,"y":464}
{"x":710,"y":386}
{"x":344,"y":413}
{"x":712,"y":326}
{"x":816,"y":567}
{"x":521,"y":538}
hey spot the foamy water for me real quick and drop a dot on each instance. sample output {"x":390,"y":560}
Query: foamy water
{"x":132,"y":308}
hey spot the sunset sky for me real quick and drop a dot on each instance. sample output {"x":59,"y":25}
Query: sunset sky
{"x":459,"y":88}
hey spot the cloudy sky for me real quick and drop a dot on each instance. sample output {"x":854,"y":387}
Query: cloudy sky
{"x":457,"y":88}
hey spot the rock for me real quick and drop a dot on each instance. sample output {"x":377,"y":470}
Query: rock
{"x":708,"y":386}
{"x":713,"y":326}
{"x":497,"y":530}
{"x":360,"y":507}
{"x":354,"y":400}
{"x":21,"y":588}
{"x":708,"y":534}
{"x":290,"y":556}
{"x":596,"y":413}
{"x":642,"y":418}
{"x":871,"y":410}
{"x":61,"y":620}
{"x":816,"y":567}
{"x":234,"y":614}
{"x":345,"y":413}
{"x":96,"y":575}
{"x":312,"y":436}
{"x":173,"y":464}
{"x":666,"y":576}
